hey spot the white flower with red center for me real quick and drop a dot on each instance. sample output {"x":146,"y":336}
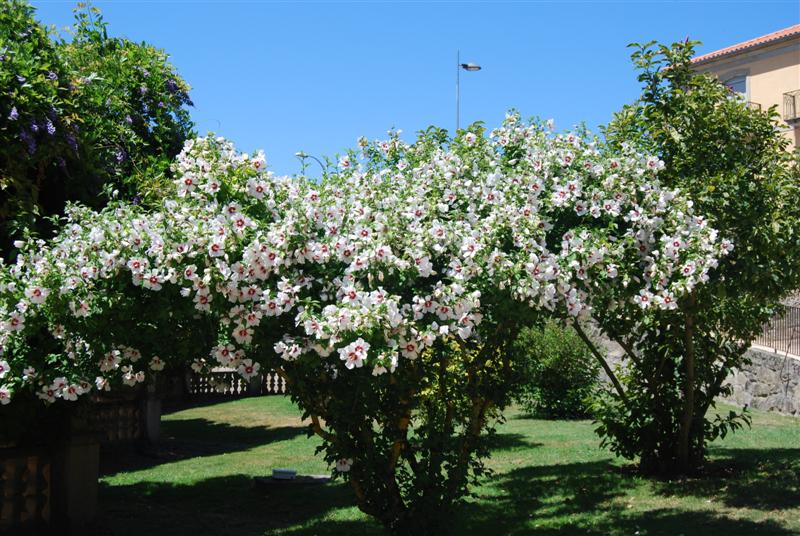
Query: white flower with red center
{"x":644,"y":299}
{"x":152,"y":280}
{"x":5,"y":395}
{"x":137,"y":265}
{"x":202,"y":301}
{"x":247,"y":369}
{"x":110,"y":361}
{"x":4,"y":368}
{"x":256,"y":188}
{"x":37,"y":294}
{"x":157,"y":364}
{"x":654,"y":164}
{"x":408,"y":348}
{"x":354,"y":354}
{"x":667,"y":301}
{"x":345,"y":163}
{"x":186,"y":184}
{"x":71,"y":392}
{"x":15,"y":322}
{"x":190,"y":272}
{"x":243,"y":334}
{"x":216,"y":248}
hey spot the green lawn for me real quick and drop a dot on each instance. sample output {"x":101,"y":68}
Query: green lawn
{"x":550,"y":478}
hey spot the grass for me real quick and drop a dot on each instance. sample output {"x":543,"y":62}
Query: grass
{"x":550,"y":478}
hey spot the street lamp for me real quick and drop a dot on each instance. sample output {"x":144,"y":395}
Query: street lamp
{"x":302,"y":155}
{"x":466,"y":67}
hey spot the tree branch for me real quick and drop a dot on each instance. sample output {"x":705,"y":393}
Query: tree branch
{"x":603,"y":363}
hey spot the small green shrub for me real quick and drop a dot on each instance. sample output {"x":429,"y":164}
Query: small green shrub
{"x":557,"y":372}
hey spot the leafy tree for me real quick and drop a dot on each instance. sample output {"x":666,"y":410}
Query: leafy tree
{"x":558,"y":374}
{"x":80,"y":117}
{"x":732,"y":162}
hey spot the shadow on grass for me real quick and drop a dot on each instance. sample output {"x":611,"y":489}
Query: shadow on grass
{"x":763,"y":479}
{"x":191,"y":438}
{"x":510,"y":441}
{"x":229,"y":505}
{"x":579,"y":498}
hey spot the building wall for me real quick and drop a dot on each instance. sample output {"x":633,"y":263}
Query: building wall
{"x":771,"y":71}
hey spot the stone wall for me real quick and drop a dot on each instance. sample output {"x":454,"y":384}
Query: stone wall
{"x":771,"y":382}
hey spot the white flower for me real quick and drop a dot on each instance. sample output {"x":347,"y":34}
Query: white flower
{"x":5,"y":395}
{"x":4,"y":368}
{"x":157,"y":364}
{"x":354,"y":354}
{"x":37,"y":294}
{"x":344,"y":465}
{"x":15,"y":322}
{"x":247,"y":369}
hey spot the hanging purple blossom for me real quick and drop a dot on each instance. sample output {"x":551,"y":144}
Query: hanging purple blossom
{"x":51,"y":128}
{"x":34,"y":127}
{"x":129,"y":119}
{"x":52,"y":76}
{"x":172,"y":86}
{"x":73,"y":143}
{"x":120,"y":155}
{"x":29,"y":141}
{"x":14,"y":114}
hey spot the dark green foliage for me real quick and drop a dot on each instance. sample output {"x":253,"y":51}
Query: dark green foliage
{"x":733,"y":163}
{"x":558,"y":373}
{"x":81,"y":116}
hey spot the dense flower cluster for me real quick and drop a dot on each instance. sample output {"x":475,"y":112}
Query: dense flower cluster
{"x":402,"y":246}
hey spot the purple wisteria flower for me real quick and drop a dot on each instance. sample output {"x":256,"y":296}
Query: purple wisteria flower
{"x":120,"y":155}
{"x":27,"y":138}
{"x":51,"y":128}
{"x":13,"y":115}
{"x":52,"y":76}
{"x":72,"y":142}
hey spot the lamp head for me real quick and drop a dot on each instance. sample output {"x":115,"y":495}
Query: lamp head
{"x":470,"y":66}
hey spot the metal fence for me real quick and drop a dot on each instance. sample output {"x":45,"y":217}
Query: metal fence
{"x":782,"y":333}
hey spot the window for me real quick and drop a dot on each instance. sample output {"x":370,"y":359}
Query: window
{"x":738,"y":85}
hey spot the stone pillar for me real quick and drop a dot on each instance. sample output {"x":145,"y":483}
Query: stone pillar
{"x":151,"y":414}
{"x":74,"y":487}
{"x":254,"y":385}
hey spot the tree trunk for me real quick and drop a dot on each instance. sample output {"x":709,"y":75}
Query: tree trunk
{"x":683,"y":454}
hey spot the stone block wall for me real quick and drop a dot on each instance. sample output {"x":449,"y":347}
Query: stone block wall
{"x":771,"y":382}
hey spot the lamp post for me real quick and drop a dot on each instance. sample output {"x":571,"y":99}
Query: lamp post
{"x":466,"y":67}
{"x":302,"y":155}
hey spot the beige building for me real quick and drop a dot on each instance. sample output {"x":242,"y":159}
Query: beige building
{"x":764,"y":71}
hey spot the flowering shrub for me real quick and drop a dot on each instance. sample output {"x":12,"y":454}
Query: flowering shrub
{"x":387,"y":293}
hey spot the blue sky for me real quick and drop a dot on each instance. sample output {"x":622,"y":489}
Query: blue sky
{"x":313,"y":76}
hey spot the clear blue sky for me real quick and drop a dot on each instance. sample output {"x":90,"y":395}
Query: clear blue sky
{"x":313,"y":76}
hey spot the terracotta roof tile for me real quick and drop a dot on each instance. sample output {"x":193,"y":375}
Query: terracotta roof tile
{"x":763,"y":40}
